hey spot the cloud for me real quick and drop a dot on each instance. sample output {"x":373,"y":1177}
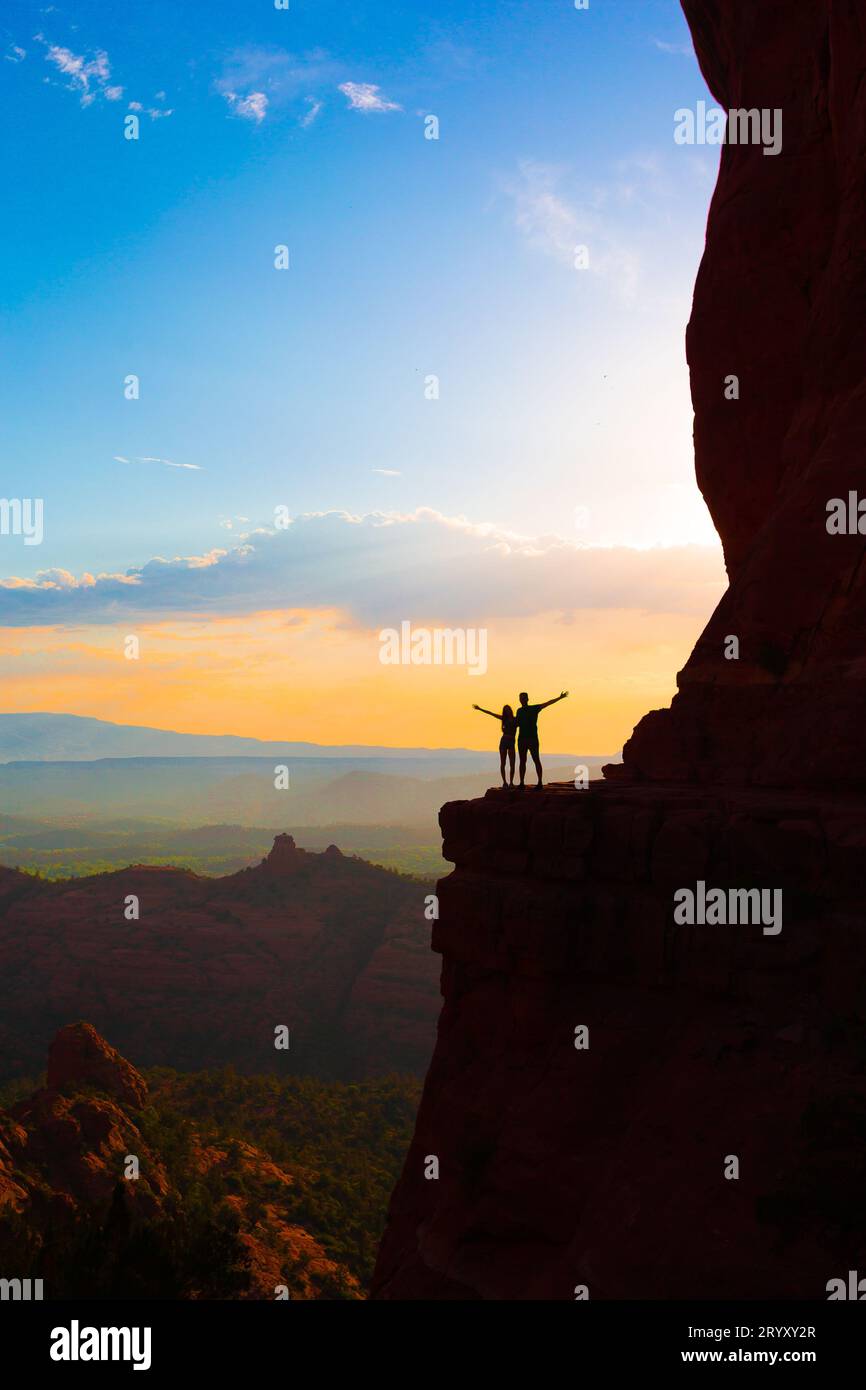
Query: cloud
{"x":83,"y":73}
{"x":364,"y":96}
{"x":170,"y":464}
{"x":557,"y":226}
{"x":379,"y":569}
{"x":315,"y":107}
{"x":252,"y":107}
{"x":15,"y":54}
{"x":387,"y":472}
{"x":151,"y":111}
{"x":257,"y":81}
{"x":88,"y":77}
{"x":545,"y":218}
{"x":148,"y":458}
{"x":684,"y":49}
{"x":278,"y":77}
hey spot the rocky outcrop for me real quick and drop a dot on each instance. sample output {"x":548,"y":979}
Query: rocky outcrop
{"x":603,"y":1158}
{"x":66,"y":1144}
{"x":779,"y":303}
{"x":78,"y":1057}
{"x":65,"y":1157}
{"x":284,"y":857}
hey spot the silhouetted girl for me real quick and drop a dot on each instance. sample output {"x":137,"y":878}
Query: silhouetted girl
{"x":506,"y":743}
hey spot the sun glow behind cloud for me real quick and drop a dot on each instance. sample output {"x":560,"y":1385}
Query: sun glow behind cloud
{"x":564,"y":411}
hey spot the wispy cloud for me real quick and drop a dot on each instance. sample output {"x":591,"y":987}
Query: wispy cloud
{"x":272,"y":79}
{"x":88,"y":77}
{"x":558,"y":225}
{"x":387,"y":472}
{"x":364,"y":96}
{"x":547,"y":220}
{"x":149,"y":458}
{"x":15,"y":54}
{"x":153,"y":112}
{"x":259,"y":82}
{"x":315,"y":107}
{"x":683,"y":49}
{"x":253,"y":107}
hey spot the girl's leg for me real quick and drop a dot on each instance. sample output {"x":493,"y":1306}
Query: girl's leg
{"x":502,"y":766}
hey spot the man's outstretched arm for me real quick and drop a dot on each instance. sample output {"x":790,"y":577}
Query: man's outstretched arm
{"x":555,"y":701}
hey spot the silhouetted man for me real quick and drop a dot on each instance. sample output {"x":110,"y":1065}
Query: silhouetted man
{"x":527,"y":732}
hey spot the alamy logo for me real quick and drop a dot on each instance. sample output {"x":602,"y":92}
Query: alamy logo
{"x":855,"y":1289}
{"x":436,"y":646}
{"x":734,"y":127}
{"x":22,"y":516}
{"x":20,"y":1290}
{"x":720,"y":907}
{"x":75,"y":1343}
{"x":846,"y":517}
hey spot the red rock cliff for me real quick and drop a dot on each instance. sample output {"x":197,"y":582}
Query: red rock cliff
{"x":604,"y":1165}
{"x":779,"y":303}
{"x":548,"y":1160}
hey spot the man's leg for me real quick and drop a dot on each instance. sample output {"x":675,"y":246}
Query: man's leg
{"x":511,"y":765}
{"x":521,"y":748}
{"x":537,"y":760}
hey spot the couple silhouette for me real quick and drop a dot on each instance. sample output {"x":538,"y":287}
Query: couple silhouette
{"x":524,"y":727}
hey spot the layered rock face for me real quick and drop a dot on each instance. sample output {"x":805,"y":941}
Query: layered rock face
{"x":779,"y":303}
{"x":626,"y":1102}
{"x":603,"y":1159}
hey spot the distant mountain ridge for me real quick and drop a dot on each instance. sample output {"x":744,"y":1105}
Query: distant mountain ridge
{"x":199,"y":791}
{"x":44,"y":737}
{"x":336,"y":949}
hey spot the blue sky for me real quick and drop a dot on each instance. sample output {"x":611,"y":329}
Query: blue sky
{"x":559,"y":389}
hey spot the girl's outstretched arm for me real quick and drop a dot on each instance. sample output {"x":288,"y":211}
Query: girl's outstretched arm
{"x":487,"y":711}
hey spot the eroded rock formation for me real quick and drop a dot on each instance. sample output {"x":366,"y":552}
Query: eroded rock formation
{"x":779,"y":303}
{"x":70,"y":1210}
{"x":79,"y":1056}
